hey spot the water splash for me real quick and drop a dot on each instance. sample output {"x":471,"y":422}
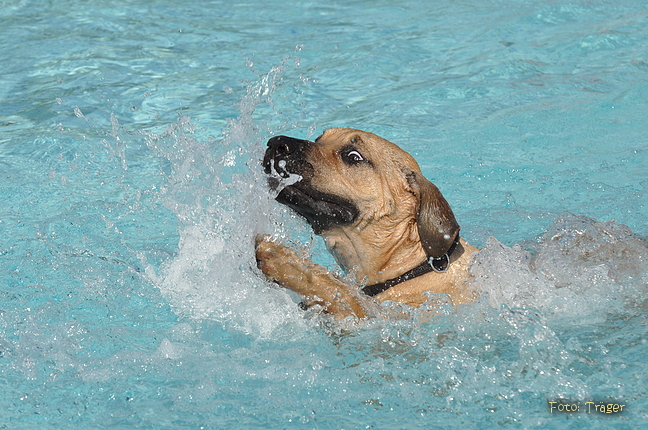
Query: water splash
{"x":582,"y":268}
{"x":219,"y":194}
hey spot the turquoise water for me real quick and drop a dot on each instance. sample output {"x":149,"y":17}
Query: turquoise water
{"x":130,"y":142}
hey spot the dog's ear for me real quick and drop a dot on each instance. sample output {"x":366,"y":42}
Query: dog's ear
{"x":437,"y":225}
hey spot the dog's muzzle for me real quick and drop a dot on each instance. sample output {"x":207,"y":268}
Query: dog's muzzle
{"x":286,"y":156}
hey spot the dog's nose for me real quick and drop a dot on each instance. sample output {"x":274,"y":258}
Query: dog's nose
{"x":282,"y":145}
{"x":281,"y":150}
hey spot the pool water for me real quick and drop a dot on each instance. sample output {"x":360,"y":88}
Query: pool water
{"x":131,"y":136}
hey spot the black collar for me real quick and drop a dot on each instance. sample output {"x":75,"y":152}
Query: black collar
{"x":435,"y":264}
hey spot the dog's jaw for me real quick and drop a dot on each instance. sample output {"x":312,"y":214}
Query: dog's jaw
{"x":322,"y":211}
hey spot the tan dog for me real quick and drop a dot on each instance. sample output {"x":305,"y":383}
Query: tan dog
{"x":379,"y":217}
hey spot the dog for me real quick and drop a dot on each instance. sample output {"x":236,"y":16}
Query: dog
{"x":379,"y":217}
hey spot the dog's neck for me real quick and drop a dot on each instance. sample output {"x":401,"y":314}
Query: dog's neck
{"x":374,"y":256}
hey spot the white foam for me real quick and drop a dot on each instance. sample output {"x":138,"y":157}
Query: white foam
{"x":168,"y":350}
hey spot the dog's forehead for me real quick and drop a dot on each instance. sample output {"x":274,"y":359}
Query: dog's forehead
{"x":376,"y":145}
{"x":344,"y":136}
{"x":338,"y":137}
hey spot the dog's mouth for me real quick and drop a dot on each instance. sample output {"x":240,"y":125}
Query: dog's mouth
{"x":290,"y":173}
{"x":322,"y":211}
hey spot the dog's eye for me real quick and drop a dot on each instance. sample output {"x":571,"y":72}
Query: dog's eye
{"x":355,"y":156}
{"x":352,"y":157}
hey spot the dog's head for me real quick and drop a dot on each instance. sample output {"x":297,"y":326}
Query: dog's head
{"x":353,"y":179}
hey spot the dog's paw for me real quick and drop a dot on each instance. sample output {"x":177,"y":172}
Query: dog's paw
{"x":298,"y":273}
{"x":260,"y":243}
{"x":273,"y":258}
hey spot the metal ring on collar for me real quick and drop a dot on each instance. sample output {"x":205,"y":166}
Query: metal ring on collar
{"x":441,"y":264}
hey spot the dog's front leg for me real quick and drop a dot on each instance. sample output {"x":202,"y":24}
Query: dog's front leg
{"x":316,"y":284}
